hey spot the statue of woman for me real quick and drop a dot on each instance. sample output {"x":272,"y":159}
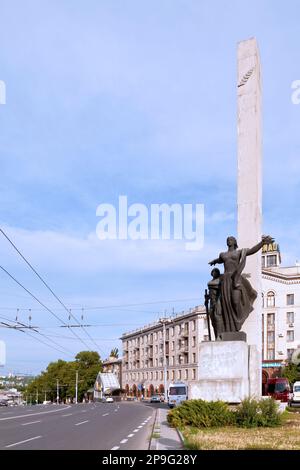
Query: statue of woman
{"x":236,"y":292}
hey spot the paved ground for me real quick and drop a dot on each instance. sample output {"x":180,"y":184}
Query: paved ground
{"x":124,"y":425}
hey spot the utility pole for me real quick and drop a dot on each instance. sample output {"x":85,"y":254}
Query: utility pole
{"x":57,"y":392}
{"x":45,"y":395}
{"x":37,"y":396}
{"x":76,"y":388}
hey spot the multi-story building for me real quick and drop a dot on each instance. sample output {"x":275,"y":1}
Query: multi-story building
{"x":281,"y":310}
{"x":162,"y":352}
{"x":144,"y":350}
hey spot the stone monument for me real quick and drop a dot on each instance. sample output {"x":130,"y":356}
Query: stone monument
{"x":230,"y":366}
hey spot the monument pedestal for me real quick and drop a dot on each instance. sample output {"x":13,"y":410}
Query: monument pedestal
{"x":227,"y":371}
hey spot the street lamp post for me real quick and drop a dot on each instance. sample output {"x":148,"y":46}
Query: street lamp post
{"x":57,"y":392}
{"x":163,"y":322}
{"x":76,"y":388}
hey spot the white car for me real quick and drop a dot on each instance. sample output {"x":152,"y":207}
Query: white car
{"x":108,"y":400}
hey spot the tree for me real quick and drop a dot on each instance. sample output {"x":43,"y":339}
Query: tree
{"x":291,"y":372}
{"x":87,"y":364}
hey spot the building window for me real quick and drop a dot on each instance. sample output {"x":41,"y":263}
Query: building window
{"x":156,"y":375}
{"x":290,"y":317}
{"x":271,"y":337}
{"x":193,"y":325}
{"x":179,"y":374}
{"x":156,"y":349}
{"x":263,"y":264}
{"x":161,"y":375}
{"x":173,"y":345}
{"x":271,"y":354}
{"x":290,"y":335}
{"x":271,"y":261}
{"x":194,"y":374}
{"x":168,"y":375}
{"x":194,"y":357}
{"x":262,"y":300}
{"x":290,"y":299}
{"x":270,"y":299}
{"x":271,"y":319}
{"x":194,"y":341}
{"x":290,"y":353}
{"x":172,"y":331}
{"x":186,"y":374}
{"x":172,"y":374}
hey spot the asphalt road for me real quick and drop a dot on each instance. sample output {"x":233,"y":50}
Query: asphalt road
{"x":105,"y":426}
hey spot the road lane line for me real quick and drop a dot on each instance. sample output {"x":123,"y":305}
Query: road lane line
{"x":36,"y":414}
{"x":123,"y":441}
{"x":106,"y":414}
{"x":31,"y":422}
{"x":22,"y":442}
{"x":140,"y":427}
{"x":82,"y":422}
{"x":115,"y":448}
{"x":136,"y":430}
{"x":69,"y":414}
{"x":130,"y":435}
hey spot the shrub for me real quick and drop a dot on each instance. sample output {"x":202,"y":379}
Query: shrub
{"x":201,"y":414}
{"x":263,"y":413}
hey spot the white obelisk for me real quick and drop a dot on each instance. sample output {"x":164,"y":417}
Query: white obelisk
{"x":250,"y":178}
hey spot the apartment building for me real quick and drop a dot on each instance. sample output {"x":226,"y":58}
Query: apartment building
{"x":162,"y":352}
{"x":280,"y":310}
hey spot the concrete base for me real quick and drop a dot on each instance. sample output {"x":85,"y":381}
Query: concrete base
{"x":228,"y":371}
{"x":234,"y":336}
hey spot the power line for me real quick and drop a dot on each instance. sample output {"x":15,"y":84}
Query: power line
{"x":47,"y":286}
{"x":43,"y":305}
{"x":41,"y":341}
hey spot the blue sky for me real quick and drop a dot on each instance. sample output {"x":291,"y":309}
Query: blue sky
{"x":106,"y":98}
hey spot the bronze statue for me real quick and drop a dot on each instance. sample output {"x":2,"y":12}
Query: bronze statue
{"x":235,"y":295}
{"x":213,"y":303}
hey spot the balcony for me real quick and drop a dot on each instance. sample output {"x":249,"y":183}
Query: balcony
{"x":184,"y":333}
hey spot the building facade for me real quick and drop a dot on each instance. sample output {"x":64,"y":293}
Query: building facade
{"x":281,"y":310}
{"x":176,"y":339}
{"x":163,"y":352}
{"x":113,"y":365}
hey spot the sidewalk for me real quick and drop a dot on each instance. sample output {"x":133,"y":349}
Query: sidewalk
{"x":163,"y":436}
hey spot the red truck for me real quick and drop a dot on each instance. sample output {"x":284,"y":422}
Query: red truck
{"x":279,"y":389}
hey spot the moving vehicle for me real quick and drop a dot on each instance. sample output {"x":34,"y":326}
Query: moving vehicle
{"x":295,"y":397}
{"x":107,"y":400}
{"x":3,"y":403}
{"x":279,"y":389}
{"x":177,"y":393}
{"x":155,"y":399}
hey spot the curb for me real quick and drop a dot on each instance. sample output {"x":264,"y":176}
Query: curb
{"x":152,"y":444}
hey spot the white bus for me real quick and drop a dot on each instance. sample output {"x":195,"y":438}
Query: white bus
{"x":177,"y":393}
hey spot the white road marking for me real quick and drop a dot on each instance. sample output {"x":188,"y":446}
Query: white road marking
{"x":140,"y":427}
{"x":136,"y":430}
{"x":115,"y":410}
{"x":84,"y":411}
{"x":130,"y":435}
{"x":36,"y":414}
{"x":106,"y":414}
{"x":115,"y":448}
{"x":31,"y":422}
{"x":68,"y":414}
{"x":22,"y":442}
{"x":82,"y":422}
{"x":123,"y":441}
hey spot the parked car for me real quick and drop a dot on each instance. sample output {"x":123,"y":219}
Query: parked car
{"x":279,"y":389}
{"x":155,"y":399}
{"x":3,"y":403}
{"x":46,"y":402}
{"x":295,"y":396}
